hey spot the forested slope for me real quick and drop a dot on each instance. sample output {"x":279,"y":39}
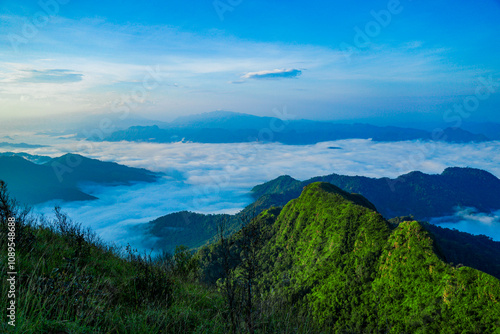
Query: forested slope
{"x":340,"y":262}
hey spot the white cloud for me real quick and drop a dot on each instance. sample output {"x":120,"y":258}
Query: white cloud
{"x":273,"y":74}
{"x":58,"y":76}
{"x":217,"y":177}
{"x":470,"y":221}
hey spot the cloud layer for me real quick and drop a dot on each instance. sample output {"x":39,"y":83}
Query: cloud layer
{"x":214,"y":178}
{"x":274,"y":74}
{"x":470,"y":221}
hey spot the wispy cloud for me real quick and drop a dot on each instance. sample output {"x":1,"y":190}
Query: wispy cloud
{"x":51,"y":76}
{"x":273,"y":74}
{"x":382,"y":78}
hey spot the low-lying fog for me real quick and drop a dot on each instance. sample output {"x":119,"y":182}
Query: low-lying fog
{"x":213,"y":178}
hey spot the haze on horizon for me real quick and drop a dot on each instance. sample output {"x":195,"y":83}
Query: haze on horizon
{"x":404,"y":61}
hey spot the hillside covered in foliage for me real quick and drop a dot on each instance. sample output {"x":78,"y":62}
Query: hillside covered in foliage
{"x":342,"y":264}
{"x":457,"y":248}
{"x":327,"y":262}
{"x":414,"y":194}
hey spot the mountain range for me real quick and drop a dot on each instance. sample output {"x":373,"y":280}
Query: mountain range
{"x":418,"y":194}
{"x":19,"y":145}
{"x":415,"y":194}
{"x":230,"y":127}
{"x":59,"y":178}
{"x":326,"y":262}
{"x":330,"y":255}
{"x":37,"y":159}
{"x":196,"y":230}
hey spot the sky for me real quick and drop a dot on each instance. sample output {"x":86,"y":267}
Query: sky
{"x":403,"y":61}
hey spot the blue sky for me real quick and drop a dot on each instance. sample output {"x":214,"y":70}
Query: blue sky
{"x":399,"y":61}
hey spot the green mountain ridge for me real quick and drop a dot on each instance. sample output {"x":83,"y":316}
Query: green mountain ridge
{"x":195,"y":230}
{"x":345,"y":265}
{"x":184,"y":228}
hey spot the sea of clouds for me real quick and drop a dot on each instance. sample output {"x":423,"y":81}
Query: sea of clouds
{"x":470,"y":221}
{"x":214,"y":178}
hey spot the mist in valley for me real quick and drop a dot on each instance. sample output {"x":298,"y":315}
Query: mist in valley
{"x":217,"y":178}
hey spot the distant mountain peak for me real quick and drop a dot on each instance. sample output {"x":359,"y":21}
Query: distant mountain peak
{"x":464,"y":170}
{"x":285,"y":177}
{"x":59,"y":178}
{"x":222,"y":126}
{"x":421,"y":195}
{"x":458,"y":135}
{"x":72,"y":155}
{"x":473,"y":173}
{"x":210,"y":115}
{"x":223,"y":113}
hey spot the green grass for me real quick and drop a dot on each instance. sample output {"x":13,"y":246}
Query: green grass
{"x":70,"y":282}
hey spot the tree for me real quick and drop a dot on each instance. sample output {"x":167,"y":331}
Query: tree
{"x":228,"y":282}
{"x":6,"y":203}
{"x":249,"y":268}
{"x":9,"y":208}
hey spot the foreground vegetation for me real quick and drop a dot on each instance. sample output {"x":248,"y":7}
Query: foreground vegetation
{"x":70,"y":282}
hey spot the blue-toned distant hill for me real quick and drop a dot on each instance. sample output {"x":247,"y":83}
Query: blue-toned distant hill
{"x":38,"y":159}
{"x":230,"y":127}
{"x":20,"y":145}
{"x":418,"y":194}
{"x":491,"y":130}
{"x":59,"y":178}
